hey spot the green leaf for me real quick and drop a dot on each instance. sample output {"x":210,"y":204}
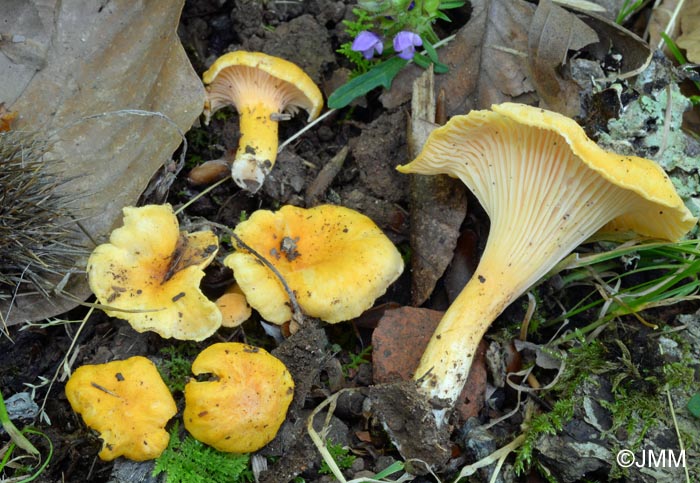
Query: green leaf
{"x":442,"y":16}
{"x":694,"y":405}
{"x":380,"y":75}
{"x":450,"y":5}
{"x":440,"y":68}
{"x":430,"y":50}
{"x":421,"y":60}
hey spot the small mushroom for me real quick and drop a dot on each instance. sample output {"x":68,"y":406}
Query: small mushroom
{"x":243,"y":407}
{"x":128,"y":403}
{"x":151,"y":271}
{"x":336,"y":260}
{"x":233,"y":306}
{"x":546,"y":188}
{"x":262,"y":88}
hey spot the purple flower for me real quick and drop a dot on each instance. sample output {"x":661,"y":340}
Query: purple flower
{"x":405,"y":44}
{"x":368,"y":43}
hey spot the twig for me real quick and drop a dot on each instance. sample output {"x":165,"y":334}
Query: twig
{"x":678,"y":432}
{"x":304,"y":129}
{"x":297,"y":314}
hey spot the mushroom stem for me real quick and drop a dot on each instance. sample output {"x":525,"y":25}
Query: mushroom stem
{"x":519,"y":251}
{"x":257,"y":147}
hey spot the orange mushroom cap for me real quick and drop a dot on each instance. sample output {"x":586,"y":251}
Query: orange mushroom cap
{"x":128,"y":403}
{"x":234,"y":307}
{"x":243,"y":408}
{"x":336,"y":260}
{"x":149,"y":265}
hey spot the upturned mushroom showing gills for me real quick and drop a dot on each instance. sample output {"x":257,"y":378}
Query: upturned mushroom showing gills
{"x":262,"y":88}
{"x":546,"y":188}
{"x":337,"y":261}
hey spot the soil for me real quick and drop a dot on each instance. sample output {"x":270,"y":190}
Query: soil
{"x":361,"y":177}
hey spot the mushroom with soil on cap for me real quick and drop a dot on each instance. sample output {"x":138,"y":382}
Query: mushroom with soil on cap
{"x":546,"y":188}
{"x":336,"y":261}
{"x":149,"y":274}
{"x":241,"y":410}
{"x":128,"y":403}
{"x":262,"y":88}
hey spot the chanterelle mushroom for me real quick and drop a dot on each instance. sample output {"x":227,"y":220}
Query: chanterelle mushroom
{"x":151,"y":271}
{"x":242,"y":410}
{"x":261,"y":87}
{"x":336,"y":260}
{"x":546,"y":188}
{"x":128,"y":403}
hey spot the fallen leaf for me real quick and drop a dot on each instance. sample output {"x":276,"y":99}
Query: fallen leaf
{"x":553,"y":33}
{"x":98,"y":59}
{"x":487,"y":61}
{"x":6,"y":118}
{"x":634,"y":52}
{"x":662,"y":18}
{"x":412,"y":327}
{"x":690,"y":28}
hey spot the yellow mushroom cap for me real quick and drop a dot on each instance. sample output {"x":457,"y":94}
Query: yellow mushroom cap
{"x":664,"y":216}
{"x":127,"y":403}
{"x":233,"y":306}
{"x":336,"y":260}
{"x":150,"y":266}
{"x":242,"y":77}
{"x":242,"y":410}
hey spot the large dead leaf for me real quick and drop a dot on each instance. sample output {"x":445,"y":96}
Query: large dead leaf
{"x":690,"y":28}
{"x":634,"y":52}
{"x":65,"y":61}
{"x":662,"y":18}
{"x":553,"y":33}
{"x":487,"y":60}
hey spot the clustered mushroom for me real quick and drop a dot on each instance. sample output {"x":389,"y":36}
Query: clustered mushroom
{"x":149,"y":274}
{"x":336,"y":260}
{"x":261,"y":88}
{"x":546,"y":188}
{"x":243,"y":407}
{"x":128,"y":403}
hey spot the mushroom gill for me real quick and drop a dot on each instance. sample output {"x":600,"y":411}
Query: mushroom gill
{"x":546,"y":188}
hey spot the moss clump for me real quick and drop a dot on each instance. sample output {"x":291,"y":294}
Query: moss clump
{"x":189,"y":461}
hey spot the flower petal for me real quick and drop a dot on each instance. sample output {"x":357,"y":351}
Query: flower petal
{"x":365,"y":41}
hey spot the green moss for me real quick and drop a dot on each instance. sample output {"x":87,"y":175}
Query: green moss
{"x":542,"y":424}
{"x":341,"y":456}
{"x":175,"y":366}
{"x":190,"y":461}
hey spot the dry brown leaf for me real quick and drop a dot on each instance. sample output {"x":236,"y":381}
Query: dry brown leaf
{"x":65,"y":61}
{"x":659,"y":20}
{"x":690,"y":28}
{"x":487,"y":60}
{"x":553,"y":33}
{"x":635,"y":53}
{"x":6,"y":118}
{"x":438,"y":203}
